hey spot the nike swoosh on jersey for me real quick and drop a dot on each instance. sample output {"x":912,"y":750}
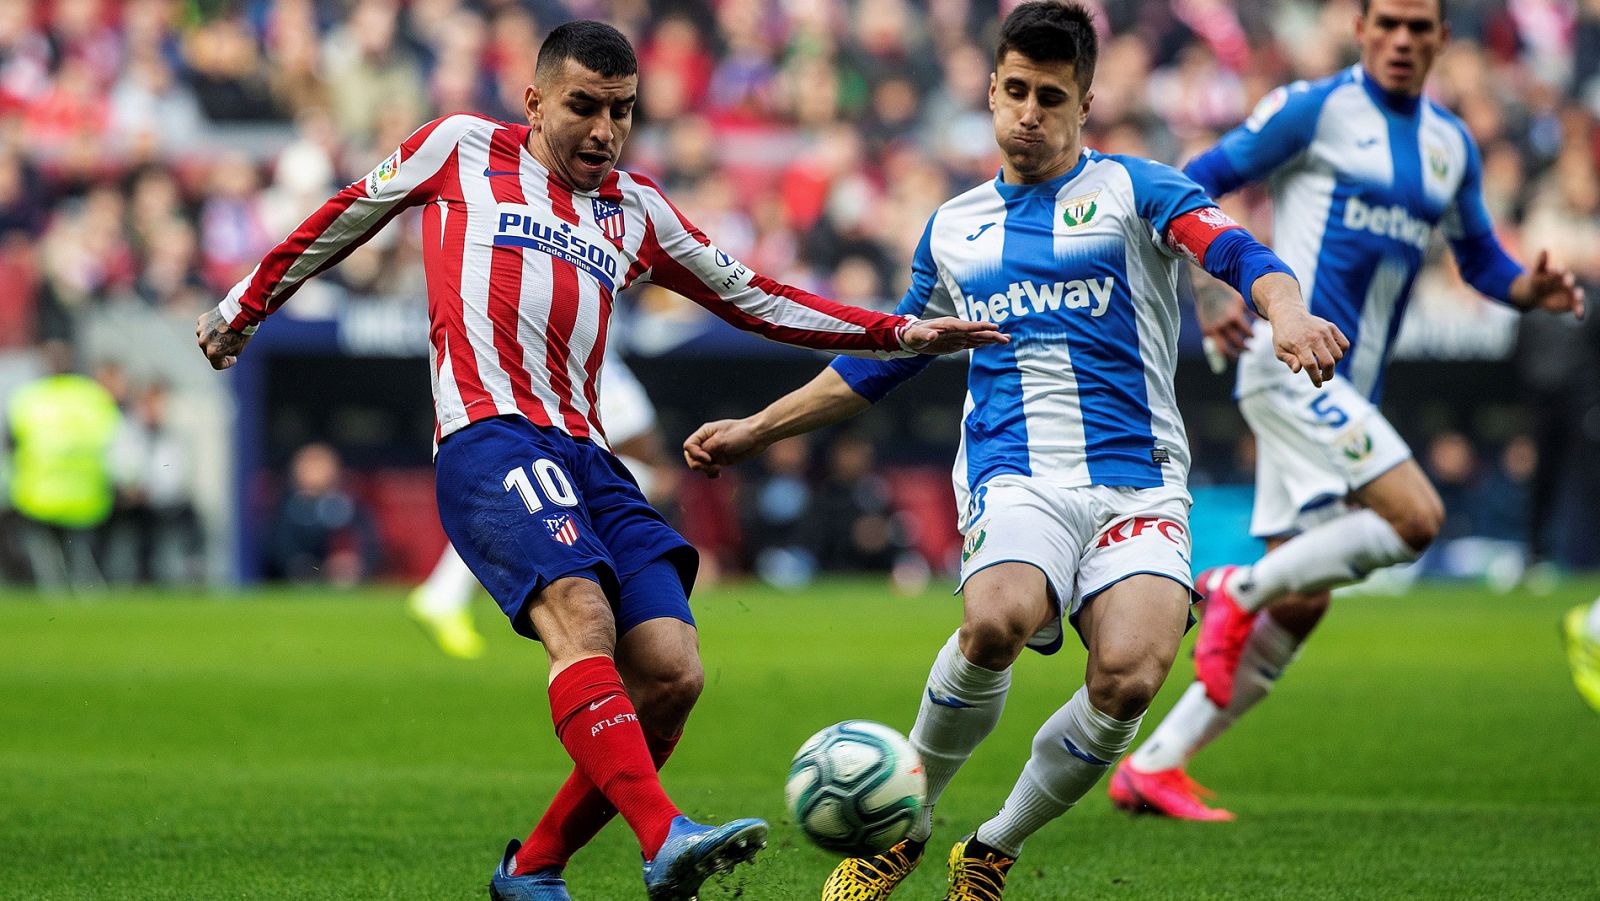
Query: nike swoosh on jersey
{"x":491,"y":173}
{"x":602,"y":702}
{"x":981,"y":229}
{"x":1366,"y":142}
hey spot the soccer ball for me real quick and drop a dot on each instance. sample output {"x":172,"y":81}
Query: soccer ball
{"x":855,"y":787}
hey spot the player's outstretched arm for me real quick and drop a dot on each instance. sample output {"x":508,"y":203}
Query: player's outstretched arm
{"x":823,"y":401}
{"x":410,"y":176}
{"x":1548,"y":286}
{"x":1305,"y":343}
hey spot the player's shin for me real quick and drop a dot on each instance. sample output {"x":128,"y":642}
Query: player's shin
{"x":1074,"y":748}
{"x":600,"y":730}
{"x":1195,"y":722}
{"x":1338,"y":552}
{"x":577,"y":814}
{"x":960,"y":706}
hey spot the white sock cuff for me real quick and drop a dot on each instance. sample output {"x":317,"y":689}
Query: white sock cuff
{"x":1100,"y":734}
{"x":955,"y":674}
{"x":1384,"y":546}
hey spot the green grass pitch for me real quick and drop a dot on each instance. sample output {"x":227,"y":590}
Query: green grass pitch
{"x":312,"y":745}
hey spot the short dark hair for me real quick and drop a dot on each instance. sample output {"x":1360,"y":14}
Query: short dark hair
{"x":594,"y":45}
{"x":1048,"y":31}
{"x":1367,"y":5}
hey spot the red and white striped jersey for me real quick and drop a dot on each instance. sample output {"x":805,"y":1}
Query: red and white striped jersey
{"x":522,"y":271}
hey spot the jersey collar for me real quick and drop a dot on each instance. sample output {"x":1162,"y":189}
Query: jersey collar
{"x":1010,"y":191}
{"x":1403,"y":104}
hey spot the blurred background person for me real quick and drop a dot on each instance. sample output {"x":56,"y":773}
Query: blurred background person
{"x":154,"y":532}
{"x":61,"y":427}
{"x":321,"y":533}
{"x":775,"y":515}
{"x":853,"y":514}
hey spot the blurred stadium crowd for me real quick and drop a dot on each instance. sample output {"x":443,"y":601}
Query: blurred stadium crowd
{"x":152,"y":150}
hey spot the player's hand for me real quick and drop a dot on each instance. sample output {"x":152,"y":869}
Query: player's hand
{"x":722,"y":443}
{"x":1548,"y":287}
{"x":221,"y":345}
{"x":1307,"y":343}
{"x":1227,"y":330}
{"x":947,"y":334}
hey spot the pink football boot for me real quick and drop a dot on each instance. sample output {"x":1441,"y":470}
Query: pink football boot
{"x":1168,"y":793}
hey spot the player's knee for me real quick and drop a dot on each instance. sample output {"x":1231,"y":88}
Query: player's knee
{"x":1419,"y":525}
{"x":994,"y":639}
{"x":1125,"y":689}
{"x":667,"y":697}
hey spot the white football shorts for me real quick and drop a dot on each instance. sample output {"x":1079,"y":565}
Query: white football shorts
{"x":1313,"y":447}
{"x":1085,"y":539}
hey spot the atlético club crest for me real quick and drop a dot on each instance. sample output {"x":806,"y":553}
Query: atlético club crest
{"x":1079,"y":211}
{"x":562,"y":528}
{"x":609,"y":217}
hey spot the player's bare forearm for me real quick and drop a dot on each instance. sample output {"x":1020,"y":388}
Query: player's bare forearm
{"x":1305,"y":343}
{"x":221,"y":343}
{"x":823,"y":401}
{"x":1276,"y":294}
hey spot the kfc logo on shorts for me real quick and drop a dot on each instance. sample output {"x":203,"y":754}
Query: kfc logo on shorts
{"x":1134,"y":526}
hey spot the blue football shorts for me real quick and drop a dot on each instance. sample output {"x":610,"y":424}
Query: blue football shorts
{"x":526,"y":505}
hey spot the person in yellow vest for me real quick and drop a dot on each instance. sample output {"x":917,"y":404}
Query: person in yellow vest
{"x":61,"y":427}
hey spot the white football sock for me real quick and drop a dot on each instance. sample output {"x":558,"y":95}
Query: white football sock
{"x":449,"y":587}
{"x":1195,"y":722}
{"x":1338,"y":552}
{"x":1071,"y":751}
{"x":960,"y":707}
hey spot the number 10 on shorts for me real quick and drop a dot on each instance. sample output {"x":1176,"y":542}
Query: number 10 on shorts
{"x":553,"y":484}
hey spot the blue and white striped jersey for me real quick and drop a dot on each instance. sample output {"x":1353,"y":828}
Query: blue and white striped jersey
{"x":1359,"y":178}
{"x":1076,"y":271}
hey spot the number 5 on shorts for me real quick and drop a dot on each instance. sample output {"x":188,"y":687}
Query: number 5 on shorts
{"x":556,"y":488}
{"x":1328,"y":412}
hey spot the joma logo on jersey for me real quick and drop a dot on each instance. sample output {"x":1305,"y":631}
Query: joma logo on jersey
{"x":1023,"y":298}
{"x":1392,"y":221}
{"x":1134,"y":526}
{"x":517,"y":227}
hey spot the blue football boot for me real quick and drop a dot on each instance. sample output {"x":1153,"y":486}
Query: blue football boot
{"x":540,"y":885}
{"x":692,"y":853}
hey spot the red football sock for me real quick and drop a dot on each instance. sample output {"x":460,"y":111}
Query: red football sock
{"x":600,"y":730}
{"x":577,"y":814}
